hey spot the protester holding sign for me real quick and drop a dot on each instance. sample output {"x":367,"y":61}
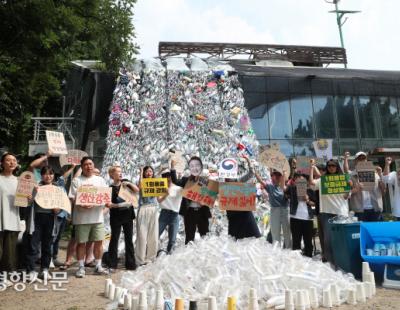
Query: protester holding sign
{"x":169,"y":215}
{"x":122,"y":215}
{"x":9,"y":215}
{"x":301,"y":214}
{"x":195,"y":216}
{"x":88,"y":219}
{"x":242,"y":224}
{"x":366,"y":202}
{"x":393,"y":179}
{"x":331,"y":205}
{"x":40,"y":225}
{"x":146,"y":224}
{"x":279,"y":207}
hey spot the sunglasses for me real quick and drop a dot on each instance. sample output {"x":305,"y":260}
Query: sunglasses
{"x":332,"y":166}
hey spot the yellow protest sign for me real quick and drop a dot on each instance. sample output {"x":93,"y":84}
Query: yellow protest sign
{"x":154,"y":187}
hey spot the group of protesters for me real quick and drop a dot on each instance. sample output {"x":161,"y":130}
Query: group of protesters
{"x":294,"y":216}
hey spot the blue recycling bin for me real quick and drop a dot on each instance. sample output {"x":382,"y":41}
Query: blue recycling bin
{"x":345,"y":242}
{"x":379,"y":232}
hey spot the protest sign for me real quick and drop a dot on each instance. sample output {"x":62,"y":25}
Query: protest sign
{"x":335,"y":184}
{"x":180,"y":161}
{"x":228,"y":168}
{"x":93,"y":195}
{"x":56,"y":142}
{"x":301,"y":188}
{"x":236,"y":196}
{"x":128,"y":195}
{"x":323,"y":148}
{"x":26,"y":184}
{"x":52,"y":197}
{"x":72,"y":158}
{"x":154,"y":187}
{"x":303,"y":164}
{"x":204,"y":191}
{"x":366,"y":175}
{"x":274,"y":159}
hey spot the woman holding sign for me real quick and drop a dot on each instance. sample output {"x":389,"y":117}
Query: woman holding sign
{"x":9,"y":215}
{"x":331,"y":204}
{"x":146,"y":224}
{"x":121,"y":216}
{"x":195,"y":216}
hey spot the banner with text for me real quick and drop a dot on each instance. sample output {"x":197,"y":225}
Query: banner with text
{"x":335,"y":184}
{"x":154,"y":187}
{"x":204,"y":191}
{"x":93,"y":195}
{"x":235,"y":196}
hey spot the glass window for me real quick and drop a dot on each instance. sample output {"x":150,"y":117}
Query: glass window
{"x":304,"y":148}
{"x":323,"y":116}
{"x":389,"y":117}
{"x":302,"y":115}
{"x":259,"y":122}
{"x":279,"y":120}
{"x":345,"y":115}
{"x":368,"y":116}
{"x":286,"y":147}
{"x":352,"y":146}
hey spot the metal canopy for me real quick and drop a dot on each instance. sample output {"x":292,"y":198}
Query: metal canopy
{"x":299,"y":55}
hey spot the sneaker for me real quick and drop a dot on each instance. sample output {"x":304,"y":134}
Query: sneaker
{"x":44,"y":275}
{"x":80,"y":273}
{"x":52,"y":265}
{"x":101,"y":271}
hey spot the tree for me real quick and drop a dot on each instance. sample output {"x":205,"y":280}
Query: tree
{"x":38,"y":41}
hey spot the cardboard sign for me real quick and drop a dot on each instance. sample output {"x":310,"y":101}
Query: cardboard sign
{"x":154,"y":187}
{"x":301,"y":188}
{"x":52,"y":197}
{"x":73,"y":157}
{"x":303,"y":164}
{"x":93,"y":195}
{"x":56,"y":142}
{"x":26,"y":184}
{"x":274,"y":159}
{"x":204,"y":191}
{"x":128,"y":195}
{"x":323,"y":148}
{"x":236,"y":196}
{"x":335,"y":184}
{"x":366,"y":175}
{"x":228,"y":168}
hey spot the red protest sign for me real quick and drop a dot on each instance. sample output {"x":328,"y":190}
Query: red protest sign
{"x":204,"y":191}
{"x":26,"y":183}
{"x":93,"y":195}
{"x":235,"y":196}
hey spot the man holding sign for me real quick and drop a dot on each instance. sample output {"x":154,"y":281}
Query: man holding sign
{"x":88,"y":218}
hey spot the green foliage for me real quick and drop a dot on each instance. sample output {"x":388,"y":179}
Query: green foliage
{"x":38,"y":40}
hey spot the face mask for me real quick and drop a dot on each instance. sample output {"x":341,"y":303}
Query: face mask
{"x":195,"y":168}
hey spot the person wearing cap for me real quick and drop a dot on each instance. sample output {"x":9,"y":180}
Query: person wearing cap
{"x":393,"y":179}
{"x":169,"y":215}
{"x":366,"y":204}
{"x":279,"y":218}
{"x":330,"y":205}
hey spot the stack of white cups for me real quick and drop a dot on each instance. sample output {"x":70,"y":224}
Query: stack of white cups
{"x":314,"y":298}
{"x":360,"y":289}
{"x":107,"y":286}
{"x":289,"y":300}
{"x":135,"y":303}
{"x":351,"y":297}
{"x":253,"y":300}
{"x":300,"y":301}
{"x":368,"y":277}
{"x":335,"y":295}
{"x":142,"y":301}
{"x":327,"y":298}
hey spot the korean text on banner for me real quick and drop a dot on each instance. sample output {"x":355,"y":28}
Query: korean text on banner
{"x":72,"y":158}
{"x":93,"y":195}
{"x":52,"y":197}
{"x":204,"y":191}
{"x":301,"y":188}
{"x":26,"y":183}
{"x":366,"y":175}
{"x":335,"y":184}
{"x":154,"y":187}
{"x":236,"y":196}
{"x":56,"y":142}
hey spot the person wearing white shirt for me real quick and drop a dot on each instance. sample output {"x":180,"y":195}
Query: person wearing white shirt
{"x":392,"y":179}
{"x":169,"y":215}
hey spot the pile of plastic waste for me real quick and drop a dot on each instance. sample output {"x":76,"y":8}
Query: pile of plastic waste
{"x":223,"y":267}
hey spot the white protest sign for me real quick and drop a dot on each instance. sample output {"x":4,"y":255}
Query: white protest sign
{"x":56,"y":142}
{"x":301,"y":188}
{"x":52,"y":197}
{"x":228,"y":168}
{"x":366,"y":175}
{"x":271,"y":158}
{"x":72,"y":158}
{"x":323,"y":148}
